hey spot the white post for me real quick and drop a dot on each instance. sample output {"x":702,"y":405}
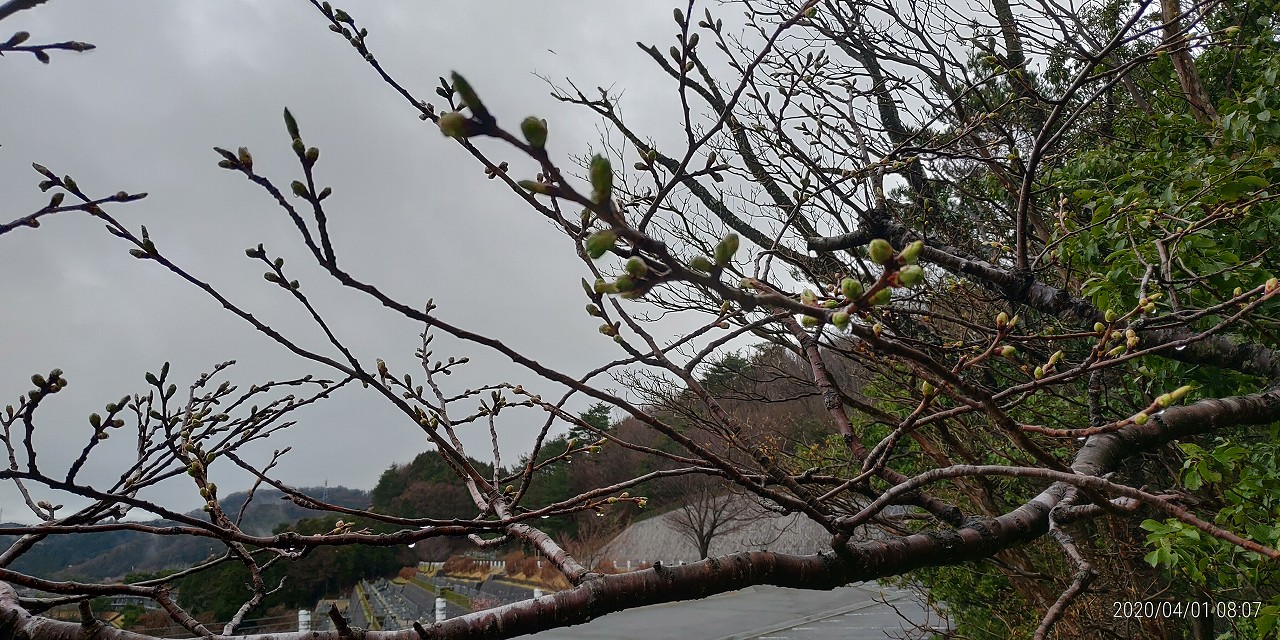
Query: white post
{"x":304,"y":621}
{"x":537,"y":593}
{"x":628,"y":565}
{"x":440,"y":610}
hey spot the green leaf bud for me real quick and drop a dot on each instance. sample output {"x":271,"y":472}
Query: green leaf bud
{"x":809,"y":297}
{"x":851,"y":289}
{"x":1164,"y":400}
{"x":1038,"y":373}
{"x":469,"y":96}
{"x":593,"y":310}
{"x":535,"y":186}
{"x":1002,"y":320}
{"x":1271,"y":285}
{"x":1053,"y":359}
{"x":1098,"y":327}
{"x":701,"y":263}
{"x":726,"y":248}
{"x":1150,"y":307}
{"x":1008,"y":351}
{"x":624,"y":283}
{"x":880,"y":250}
{"x":1180,"y":392}
{"x":312,"y":155}
{"x":911,"y":253}
{"x":1110,"y":316}
{"x":604,"y":287}
{"x":926,"y":388}
{"x":95,"y":420}
{"x":535,"y":131}
{"x":298,"y":146}
{"x":881,"y":297}
{"x":809,"y":321}
{"x":291,"y":125}
{"x":600,"y":242}
{"x":636,"y":267}
{"x":840,"y":319}
{"x":1141,"y":419}
{"x":298,"y":188}
{"x":601,"y":178}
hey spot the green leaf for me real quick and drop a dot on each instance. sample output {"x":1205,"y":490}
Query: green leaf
{"x":1243,"y":185}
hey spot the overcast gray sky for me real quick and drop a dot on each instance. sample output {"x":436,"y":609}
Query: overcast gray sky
{"x":411,"y":211}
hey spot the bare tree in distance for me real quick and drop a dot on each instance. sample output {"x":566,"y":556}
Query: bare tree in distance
{"x":1048,"y":249}
{"x":709,"y":511}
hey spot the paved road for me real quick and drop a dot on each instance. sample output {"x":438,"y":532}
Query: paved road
{"x":765,"y":613}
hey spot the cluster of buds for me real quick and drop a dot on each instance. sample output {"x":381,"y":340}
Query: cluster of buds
{"x":901,"y":271}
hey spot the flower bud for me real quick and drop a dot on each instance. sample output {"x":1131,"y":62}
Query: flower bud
{"x":453,"y":124}
{"x":880,"y":251}
{"x":911,"y":252}
{"x":851,"y":289}
{"x":911,"y":275}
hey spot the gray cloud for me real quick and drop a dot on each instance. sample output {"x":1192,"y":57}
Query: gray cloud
{"x":411,"y":211}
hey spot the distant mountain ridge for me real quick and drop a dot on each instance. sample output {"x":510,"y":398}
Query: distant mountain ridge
{"x":99,"y":556}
